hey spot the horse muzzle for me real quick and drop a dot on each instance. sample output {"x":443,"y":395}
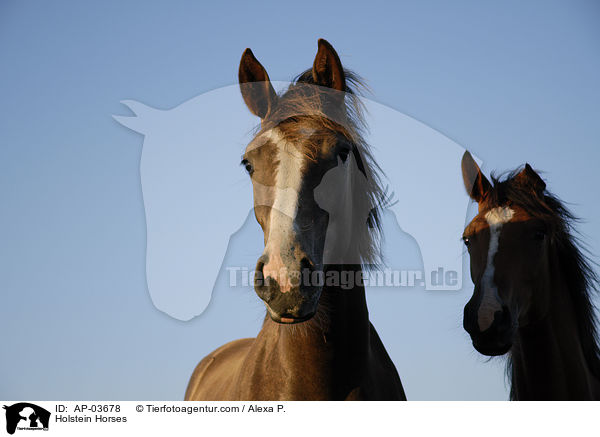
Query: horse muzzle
{"x":496,"y":339}
{"x":289,"y":295}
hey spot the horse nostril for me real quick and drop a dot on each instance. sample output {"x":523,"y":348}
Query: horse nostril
{"x":305,"y":263}
{"x":503,"y":319}
{"x":259,"y":279}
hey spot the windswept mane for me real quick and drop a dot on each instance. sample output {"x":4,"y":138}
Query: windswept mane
{"x":305,"y":108}
{"x":573,"y":257}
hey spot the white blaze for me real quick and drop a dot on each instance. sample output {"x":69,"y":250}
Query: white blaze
{"x":288,"y":182}
{"x":490,"y":301}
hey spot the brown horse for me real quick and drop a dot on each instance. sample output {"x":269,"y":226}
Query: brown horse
{"x":316,"y":197}
{"x":532,"y":288}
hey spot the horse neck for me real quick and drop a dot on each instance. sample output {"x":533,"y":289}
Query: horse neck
{"x":338,"y":334}
{"x":547,"y":356}
{"x":345,"y":313}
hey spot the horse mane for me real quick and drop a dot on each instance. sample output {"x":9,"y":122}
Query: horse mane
{"x":573,"y":256}
{"x":307,"y":107}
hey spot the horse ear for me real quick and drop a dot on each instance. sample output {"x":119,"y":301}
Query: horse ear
{"x":528,"y":176}
{"x":257,"y":91}
{"x":327,"y":69}
{"x":476,"y":183}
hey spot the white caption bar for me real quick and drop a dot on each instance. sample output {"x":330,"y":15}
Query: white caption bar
{"x":151,"y":418}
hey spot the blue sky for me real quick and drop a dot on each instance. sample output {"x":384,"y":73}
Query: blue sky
{"x":512,"y":82}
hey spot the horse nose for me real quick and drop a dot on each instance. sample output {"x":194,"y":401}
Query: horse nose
{"x":493,"y":338}
{"x":271,"y":277}
{"x":287,"y":291}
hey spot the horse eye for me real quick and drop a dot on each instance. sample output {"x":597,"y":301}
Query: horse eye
{"x":467,"y":241}
{"x":248,"y":166}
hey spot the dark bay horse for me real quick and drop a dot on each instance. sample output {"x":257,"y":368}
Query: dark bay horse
{"x":533,"y":286}
{"x":316,"y":197}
